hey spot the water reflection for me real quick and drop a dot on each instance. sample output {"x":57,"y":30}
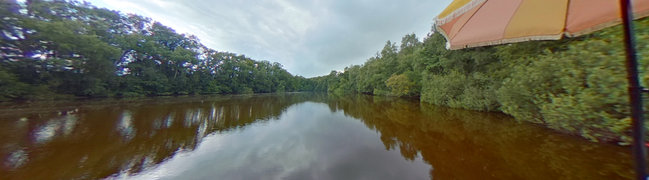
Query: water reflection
{"x":463,"y":144}
{"x":125,"y":125}
{"x":287,"y":136}
{"x":119,"y":136}
{"x":305,"y":142}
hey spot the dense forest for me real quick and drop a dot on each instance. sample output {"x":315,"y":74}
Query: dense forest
{"x":575,"y":85}
{"x":60,"y":48}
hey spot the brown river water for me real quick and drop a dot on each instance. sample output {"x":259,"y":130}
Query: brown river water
{"x":288,"y":136}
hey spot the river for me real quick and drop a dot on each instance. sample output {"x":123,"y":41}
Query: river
{"x":287,"y":136}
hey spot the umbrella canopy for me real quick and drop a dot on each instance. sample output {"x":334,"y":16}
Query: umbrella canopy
{"x":473,"y":23}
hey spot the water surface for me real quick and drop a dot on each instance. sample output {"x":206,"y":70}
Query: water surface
{"x":287,"y":136}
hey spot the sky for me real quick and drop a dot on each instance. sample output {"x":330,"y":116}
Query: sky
{"x":309,"y":37}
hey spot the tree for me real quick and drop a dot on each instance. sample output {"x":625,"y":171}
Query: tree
{"x":400,"y":85}
{"x":61,"y":47}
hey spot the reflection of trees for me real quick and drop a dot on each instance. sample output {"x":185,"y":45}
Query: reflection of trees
{"x":463,"y":144}
{"x":122,"y":135}
{"x":110,"y":136}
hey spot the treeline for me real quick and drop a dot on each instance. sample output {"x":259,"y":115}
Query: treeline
{"x":575,"y":85}
{"x":62,"y":48}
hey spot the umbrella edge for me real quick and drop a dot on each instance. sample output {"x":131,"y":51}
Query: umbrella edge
{"x":458,"y":12}
{"x":504,"y":41}
{"x":616,"y":21}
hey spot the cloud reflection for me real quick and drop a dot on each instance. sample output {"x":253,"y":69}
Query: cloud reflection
{"x":63,"y":125}
{"x":322,"y":146}
{"x":125,"y":126}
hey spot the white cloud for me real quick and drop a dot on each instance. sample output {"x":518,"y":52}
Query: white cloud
{"x":310,"y":38}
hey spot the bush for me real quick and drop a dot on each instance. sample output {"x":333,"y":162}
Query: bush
{"x":400,"y":85}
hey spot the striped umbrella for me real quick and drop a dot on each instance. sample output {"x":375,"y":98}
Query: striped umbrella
{"x":473,"y":23}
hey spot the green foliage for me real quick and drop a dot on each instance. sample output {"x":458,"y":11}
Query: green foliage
{"x":574,"y":85}
{"x":10,"y":87}
{"x":580,"y":90}
{"x":400,"y":85}
{"x":67,"y":48}
{"x":443,"y":89}
{"x":54,"y":49}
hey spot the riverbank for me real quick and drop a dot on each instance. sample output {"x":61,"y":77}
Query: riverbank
{"x":574,"y":85}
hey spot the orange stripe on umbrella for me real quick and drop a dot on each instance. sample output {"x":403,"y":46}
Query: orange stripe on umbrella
{"x":473,"y":23}
{"x":491,"y":22}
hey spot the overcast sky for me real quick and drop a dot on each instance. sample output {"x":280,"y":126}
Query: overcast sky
{"x":309,"y":37}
